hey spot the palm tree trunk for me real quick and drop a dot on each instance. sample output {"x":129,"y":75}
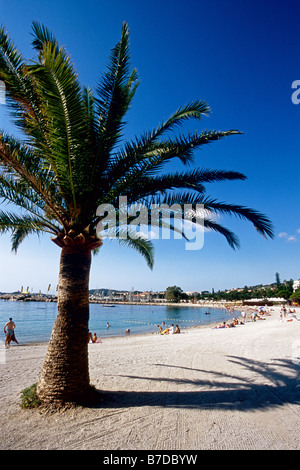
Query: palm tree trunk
{"x":65,"y":373}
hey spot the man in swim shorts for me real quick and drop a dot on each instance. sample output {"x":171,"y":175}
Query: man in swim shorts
{"x":9,"y":331}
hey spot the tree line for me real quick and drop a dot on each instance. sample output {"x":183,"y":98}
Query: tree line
{"x":278,"y":289}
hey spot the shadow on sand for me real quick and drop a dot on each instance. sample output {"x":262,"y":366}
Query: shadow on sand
{"x":277,"y":385}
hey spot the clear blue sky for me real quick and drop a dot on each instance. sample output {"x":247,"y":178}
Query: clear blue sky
{"x":242,"y":58}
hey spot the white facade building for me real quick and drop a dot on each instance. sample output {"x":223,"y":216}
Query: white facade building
{"x":296,"y":285}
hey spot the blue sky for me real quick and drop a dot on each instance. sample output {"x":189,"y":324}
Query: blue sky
{"x":240,"y":57}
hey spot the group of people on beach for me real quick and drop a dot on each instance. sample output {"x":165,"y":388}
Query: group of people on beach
{"x":93,"y":338}
{"x":255,"y":315}
{"x":232,"y":324}
{"x":168,"y":331}
{"x":284,"y":314}
{"x":259,"y":313}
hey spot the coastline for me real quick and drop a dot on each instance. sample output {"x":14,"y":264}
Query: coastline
{"x":206,"y":388}
{"x":198,"y":303}
{"x":138,"y":323}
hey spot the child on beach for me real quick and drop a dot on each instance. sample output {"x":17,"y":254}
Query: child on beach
{"x":94,"y":339}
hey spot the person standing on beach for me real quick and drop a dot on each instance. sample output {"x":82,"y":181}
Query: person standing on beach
{"x":9,"y":332}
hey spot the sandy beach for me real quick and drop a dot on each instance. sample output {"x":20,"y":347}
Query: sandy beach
{"x":220,"y":389}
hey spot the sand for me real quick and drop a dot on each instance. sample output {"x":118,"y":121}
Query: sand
{"x":226,"y":389}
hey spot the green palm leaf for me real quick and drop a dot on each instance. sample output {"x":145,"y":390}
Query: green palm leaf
{"x":143,"y":246}
{"x":21,"y":226}
{"x":259,"y":220}
{"x":114,"y":95}
{"x":231,"y":238}
{"x":63,"y":104}
{"x":71,"y":163}
{"x":27,"y":171}
{"x":72,"y":159}
{"x":193,"y":180}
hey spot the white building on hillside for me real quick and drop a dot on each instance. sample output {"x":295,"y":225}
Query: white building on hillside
{"x":296,"y":285}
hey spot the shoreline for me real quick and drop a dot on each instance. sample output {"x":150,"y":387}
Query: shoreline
{"x":199,"y":303}
{"x":123,"y":335}
{"x":205,"y":389}
{"x":235,"y":312}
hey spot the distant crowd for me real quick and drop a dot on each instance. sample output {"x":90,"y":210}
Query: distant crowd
{"x":258,"y":314}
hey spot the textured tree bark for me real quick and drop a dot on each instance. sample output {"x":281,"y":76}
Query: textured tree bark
{"x":65,"y":373}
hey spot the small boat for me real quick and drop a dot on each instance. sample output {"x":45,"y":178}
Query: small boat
{"x":207,"y":313}
{"x":107,"y":305}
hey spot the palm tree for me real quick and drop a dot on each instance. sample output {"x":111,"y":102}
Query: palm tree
{"x":70,"y":159}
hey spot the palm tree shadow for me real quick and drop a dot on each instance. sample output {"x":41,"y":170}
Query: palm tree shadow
{"x":277,"y":385}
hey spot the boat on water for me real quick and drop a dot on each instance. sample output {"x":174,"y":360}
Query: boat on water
{"x":108,"y":305}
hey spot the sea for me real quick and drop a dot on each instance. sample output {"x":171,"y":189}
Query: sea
{"x":34,"y":320}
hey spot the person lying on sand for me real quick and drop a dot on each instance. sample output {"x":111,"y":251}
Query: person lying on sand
{"x":223,"y":325}
{"x":226,"y":325}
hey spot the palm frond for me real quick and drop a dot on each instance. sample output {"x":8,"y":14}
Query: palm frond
{"x":193,"y":180}
{"x":21,"y":226}
{"x":41,"y":35}
{"x":18,"y":236}
{"x":88,"y":102}
{"x":231,"y":237}
{"x":20,"y":161}
{"x":22,"y":99}
{"x":261,"y":223}
{"x":71,"y":159}
{"x":114,"y":94}
{"x":56,"y":79}
{"x":143,"y":246}
{"x":110,"y":104}
{"x":136,"y":164}
{"x":150,"y":143}
{"x":17,"y":193}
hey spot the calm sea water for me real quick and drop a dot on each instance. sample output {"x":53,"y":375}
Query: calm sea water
{"x":34,"y":320}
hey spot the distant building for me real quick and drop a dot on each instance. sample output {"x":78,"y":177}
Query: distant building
{"x":296,"y":285}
